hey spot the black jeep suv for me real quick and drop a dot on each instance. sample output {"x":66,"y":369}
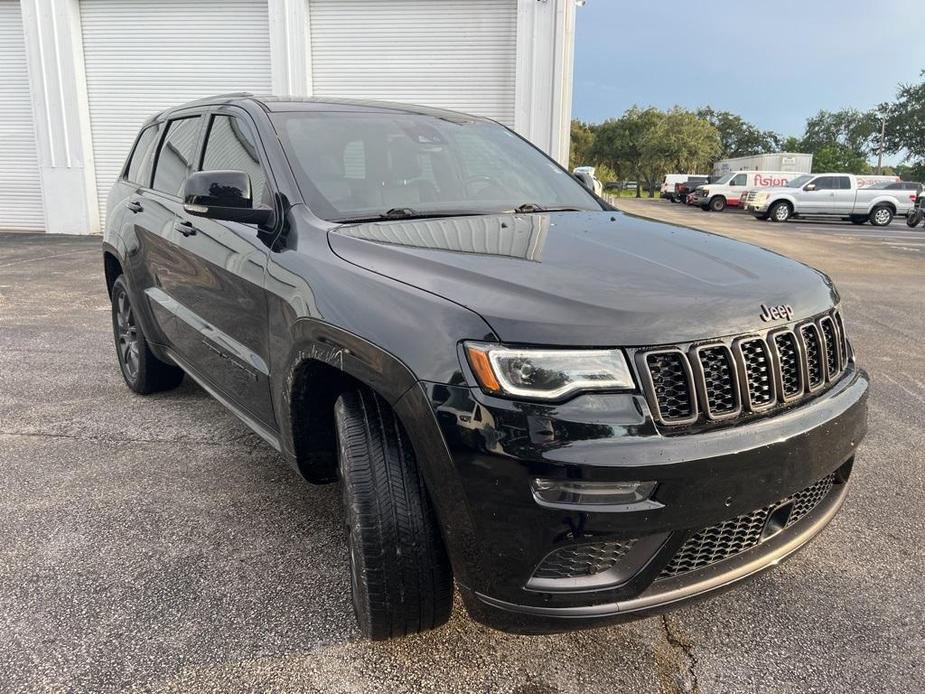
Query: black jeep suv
{"x":575,"y":414}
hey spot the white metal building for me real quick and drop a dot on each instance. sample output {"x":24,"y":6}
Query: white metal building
{"x":77,"y":77}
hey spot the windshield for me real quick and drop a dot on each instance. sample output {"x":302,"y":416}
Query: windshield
{"x":725,"y":179}
{"x":352,"y":166}
{"x":798,"y":181}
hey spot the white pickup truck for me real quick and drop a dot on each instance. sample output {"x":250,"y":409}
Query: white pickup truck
{"x":827,"y":194}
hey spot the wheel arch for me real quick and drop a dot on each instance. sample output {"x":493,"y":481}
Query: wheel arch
{"x":112,"y":267}
{"x":324,"y":362}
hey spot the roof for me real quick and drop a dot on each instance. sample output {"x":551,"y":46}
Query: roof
{"x":297,"y":103}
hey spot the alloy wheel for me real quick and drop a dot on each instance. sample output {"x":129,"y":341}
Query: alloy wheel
{"x":127,"y":336}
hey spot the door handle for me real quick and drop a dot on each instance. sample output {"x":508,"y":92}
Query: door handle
{"x":185,"y":228}
{"x":135,"y":206}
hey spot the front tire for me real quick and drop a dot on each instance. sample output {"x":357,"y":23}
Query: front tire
{"x":717,"y":203}
{"x":881,"y":216}
{"x":400,"y":576}
{"x":143,"y":372}
{"x":780,"y":212}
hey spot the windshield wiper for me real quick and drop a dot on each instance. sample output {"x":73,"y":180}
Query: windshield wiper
{"x":530,"y":207}
{"x":410,"y":213}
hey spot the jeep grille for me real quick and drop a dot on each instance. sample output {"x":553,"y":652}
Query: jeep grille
{"x":751,"y":374}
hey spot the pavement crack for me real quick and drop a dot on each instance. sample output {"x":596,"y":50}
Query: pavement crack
{"x":685,"y":678}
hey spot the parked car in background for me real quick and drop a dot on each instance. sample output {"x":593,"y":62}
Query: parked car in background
{"x":829,"y":194}
{"x":728,"y":190}
{"x":685,"y":188}
{"x":667,"y":188}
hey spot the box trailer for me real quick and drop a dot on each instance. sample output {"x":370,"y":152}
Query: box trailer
{"x":779,"y":161}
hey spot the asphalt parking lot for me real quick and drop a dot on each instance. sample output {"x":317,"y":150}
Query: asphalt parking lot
{"x":155,"y":544}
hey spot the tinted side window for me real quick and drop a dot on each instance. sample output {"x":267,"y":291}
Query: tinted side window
{"x":139,"y":167}
{"x":825,"y":183}
{"x":738,"y":180}
{"x":176,"y":155}
{"x":232,"y":146}
{"x":844,"y":183}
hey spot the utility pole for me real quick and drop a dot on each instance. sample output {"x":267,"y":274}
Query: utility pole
{"x":880,"y":154}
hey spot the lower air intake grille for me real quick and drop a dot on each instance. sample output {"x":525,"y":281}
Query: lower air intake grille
{"x":730,"y":537}
{"x":582,"y":560}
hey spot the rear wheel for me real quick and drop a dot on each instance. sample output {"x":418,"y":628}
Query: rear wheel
{"x":780,"y":211}
{"x":881,"y":216}
{"x":401,"y":579}
{"x":915,"y":217}
{"x":143,"y":372}
{"x":717,"y":203}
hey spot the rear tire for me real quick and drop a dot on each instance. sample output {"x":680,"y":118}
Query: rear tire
{"x":780,"y":211}
{"x":400,"y":576}
{"x":881,"y":216}
{"x":717,"y":203}
{"x":915,"y":218}
{"x":143,"y":372}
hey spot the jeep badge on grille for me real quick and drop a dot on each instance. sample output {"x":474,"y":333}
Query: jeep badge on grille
{"x":779,"y":312}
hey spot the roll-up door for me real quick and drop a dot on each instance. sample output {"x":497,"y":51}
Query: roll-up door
{"x":457,"y":54}
{"x":143,"y":56}
{"x":20,"y":181}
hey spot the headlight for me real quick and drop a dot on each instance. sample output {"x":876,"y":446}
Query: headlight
{"x":547,"y":374}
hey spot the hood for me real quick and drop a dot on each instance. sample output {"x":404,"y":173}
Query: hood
{"x":588,"y":278}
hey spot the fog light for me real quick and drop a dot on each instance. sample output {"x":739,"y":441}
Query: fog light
{"x":568,"y":493}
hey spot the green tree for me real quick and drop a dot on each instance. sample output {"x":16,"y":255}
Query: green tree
{"x":905,"y":122}
{"x":582,"y":142}
{"x":618,"y":141}
{"x":839,"y":158}
{"x":849,"y":128}
{"x":679,"y":141}
{"x":737,"y":136}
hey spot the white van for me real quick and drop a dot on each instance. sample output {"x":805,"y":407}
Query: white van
{"x":728,"y":190}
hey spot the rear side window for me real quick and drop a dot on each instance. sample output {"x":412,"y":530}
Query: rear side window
{"x":175,"y":159}
{"x":825,"y":183}
{"x":139,"y":166}
{"x":232,"y":146}
{"x":844,"y":183}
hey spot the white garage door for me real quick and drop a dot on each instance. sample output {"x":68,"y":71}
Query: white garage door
{"x":20,"y":183}
{"x":143,"y":56}
{"x":456,"y":54}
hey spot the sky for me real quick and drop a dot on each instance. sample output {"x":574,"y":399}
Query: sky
{"x":775,"y":63}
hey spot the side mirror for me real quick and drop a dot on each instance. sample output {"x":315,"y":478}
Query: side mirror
{"x":809,"y":187}
{"x":223,"y":195}
{"x":585,"y":180}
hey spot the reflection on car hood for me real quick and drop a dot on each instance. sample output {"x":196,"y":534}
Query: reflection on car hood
{"x":588,"y":278}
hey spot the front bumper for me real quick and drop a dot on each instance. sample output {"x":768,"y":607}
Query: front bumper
{"x":756,"y":207}
{"x":498,"y":534}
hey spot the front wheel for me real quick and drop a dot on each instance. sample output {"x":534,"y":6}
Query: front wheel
{"x":717,"y":203}
{"x":401,"y":579}
{"x":780,"y":212}
{"x":881,"y":216}
{"x":143,"y":372}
